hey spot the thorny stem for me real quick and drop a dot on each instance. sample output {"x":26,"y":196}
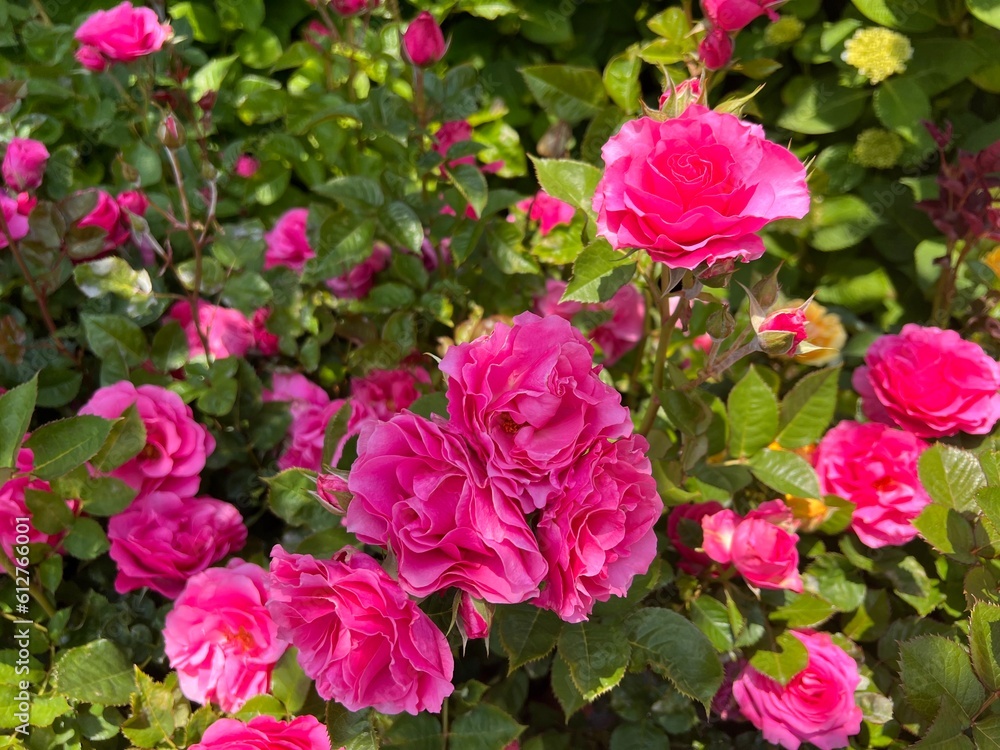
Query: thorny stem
{"x":714,"y":368}
{"x":37,"y":594}
{"x":668,"y":320}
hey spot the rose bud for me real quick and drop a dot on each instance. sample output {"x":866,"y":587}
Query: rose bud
{"x":423,"y":41}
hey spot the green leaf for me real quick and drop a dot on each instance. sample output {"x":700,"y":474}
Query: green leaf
{"x":753,"y":415}
{"x":712,"y":618}
{"x":170,"y":348}
{"x":210,"y":76}
{"x":598,"y":273}
{"x":113,"y":275}
{"x":204,"y":23}
{"x":571,"y":181}
{"x":818,"y":106}
{"x":840,"y":222}
{"x":111,"y":335}
{"x":782,"y":665}
{"x":341,"y":243}
{"x":247,"y":292}
{"x":86,"y":540}
{"x":808,"y":408}
{"x":354,"y":730}
{"x":621,"y":80}
{"x":357,"y":189}
{"x":984,"y":643}
{"x":837,"y":581}
{"x":289,"y":683}
{"x":947,"y":531}
{"x":16,"y":407}
{"x":403,"y":227}
{"x":240,"y":14}
{"x":938,"y":678}
{"x":900,"y":105}
{"x":566,"y":92}
{"x":152,"y":719}
{"x":61,"y":446}
{"x":896,"y":16}
{"x":951,"y":476}
{"x":803,"y":610}
{"x":260,"y":48}
{"x":95,"y":673}
{"x":926,"y":69}
{"x":485,"y":727}
{"x":106,"y":496}
{"x":291,"y":498}
{"x":632,"y":736}
{"x":597,"y":655}
{"x":336,"y":432}
{"x":420,"y":732}
{"x":527,"y":633}
{"x":673,"y":647}
{"x":126,"y":439}
{"x":470,"y":184}
{"x":569,"y":697}
{"x":787,"y":473}
{"x":986,"y":732}
{"x":990,"y":463}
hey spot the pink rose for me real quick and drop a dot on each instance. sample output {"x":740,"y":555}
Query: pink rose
{"x":106,"y":215}
{"x":266,"y":733}
{"x":246,"y":166}
{"x":220,"y":637}
{"x":473,"y":621}
{"x":265,"y":341}
{"x":696,"y":188}
{"x":122,"y":34}
{"x":420,"y":491}
{"x":761,"y":546}
{"x":13,"y":508}
{"x":733,"y":15}
{"x":875,"y":467}
{"x":687,"y":92}
{"x":311,"y":410}
{"x":598,"y":535}
{"x":353,"y":7}
{"x":333,"y":493}
{"x":684,"y":527}
{"x":176,"y":445}
{"x":817,"y":706}
{"x":929,"y":382}
{"x":132,"y":201}
{"x":357,"y":282}
{"x":717,"y":530}
{"x":382,"y":393}
{"x":450,"y":133}
{"x":716,"y":49}
{"x":24,"y":164}
{"x":423,"y":41}
{"x":162,"y":540}
{"x":359,"y":637}
{"x":528,"y":395}
{"x":17,"y":221}
{"x":549,"y":211}
{"x":287,"y":243}
{"x":228,"y":331}
{"x":783,"y":330}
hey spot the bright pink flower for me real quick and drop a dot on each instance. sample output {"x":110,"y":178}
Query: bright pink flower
{"x":929,"y":382}
{"x":688,"y":91}
{"x":598,"y":535}
{"x":716,"y":49}
{"x":761,"y":546}
{"x":17,"y":222}
{"x":176,"y":445}
{"x":353,"y":7}
{"x":549,"y":211}
{"x":471,"y":621}
{"x":287,"y":243}
{"x":246,"y":166}
{"x":382,"y":393}
{"x":529,"y":397}
{"x":420,"y":491}
{"x":734,"y":15}
{"x":696,"y":188}
{"x":133,"y":201}
{"x":357,"y":282}
{"x":13,"y":507}
{"x":363,"y":641}
{"x":24,"y":164}
{"x":228,"y":331}
{"x":332,"y":492}
{"x":122,"y":34}
{"x":717,"y":535}
{"x":220,"y":637}
{"x":684,"y":528}
{"x":266,"y":733}
{"x":311,"y":410}
{"x":423,"y":41}
{"x":784,"y":325}
{"x":817,"y":706}
{"x":875,"y":467}
{"x":265,"y":341}
{"x":106,"y":215}
{"x":162,"y":540}
{"x":450,"y":133}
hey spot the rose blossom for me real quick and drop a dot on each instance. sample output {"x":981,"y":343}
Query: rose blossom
{"x":220,"y":637}
{"x":816,"y":706}
{"x":549,"y":211}
{"x":929,"y":382}
{"x":683,"y":523}
{"x":363,"y":641}
{"x":312,"y":409}
{"x":162,"y":540}
{"x":696,"y":188}
{"x":228,"y":331}
{"x":266,"y":733}
{"x":686,"y":92}
{"x":824,"y":330}
{"x":716,"y":49}
{"x":419,"y":491}
{"x":106,"y":215}
{"x":598,"y":535}
{"x":122,"y":34}
{"x":472,"y":622}
{"x":17,"y":221}
{"x":382,"y":393}
{"x":357,"y":282}
{"x":528,"y":395}
{"x":353,"y":7}
{"x":875,"y":467}
{"x":287,"y":243}
{"x":176,"y":445}
{"x":734,"y":15}
{"x":423,"y":41}
{"x":24,"y":164}
{"x":450,"y":133}
{"x":782,"y":331}
{"x":13,"y":507}
{"x":246,"y":166}
{"x":265,"y":341}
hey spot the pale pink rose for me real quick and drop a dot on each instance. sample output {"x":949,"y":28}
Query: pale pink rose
{"x":875,"y":467}
{"x":548,"y":211}
{"x":228,"y":331}
{"x":733,"y":15}
{"x":220,"y":637}
{"x":363,"y":641}
{"x":266,"y":733}
{"x":24,"y":164}
{"x":684,"y":530}
{"x":688,"y":91}
{"x":929,"y":382}
{"x":598,"y":535}
{"x":761,"y":546}
{"x":17,"y":222}
{"x":122,"y":34}
{"x":106,"y":215}
{"x":382,"y":393}
{"x":717,"y":535}
{"x":162,"y":540}
{"x":716,"y":49}
{"x":420,"y":491}
{"x":471,"y":620}
{"x":783,"y":326}
{"x":246,"y":166}
{"x":176,"y":445}
{"x":353,"y":7}
{"x":265,"y":341}
{"x":529,"y":397}
{"x":357,"y":282}
{"x":816,"y":707}
{"x":694,"y":189}
{"x":287,"y":242}
{"x":13,"y":507}
{"x":311,"y":410}
{"x":423,"y":41}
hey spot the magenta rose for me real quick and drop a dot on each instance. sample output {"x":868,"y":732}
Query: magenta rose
{"x":266,"y":733}
{"x":761,"y":545}
{"x":13,"y":507}
{"x":106,"y":215}
{"x":548,"y":211}
{"x":816,"y":707}
{"x":363,"y":641}
{"x":220,"y":637}
{"x":287,"y":242}
{"x":782,"y":331}
{"x":17,"y":220}
{"x":382,"y":393}
{"x":132,"y":201}
{"x":419,"y":491}
{"x":176,"y":445}
{"x":875,"y":467}
{"x":734,"y":15}
{"x":353,"y":7}
{"x":423,"y":41}
{"x":598,"y":535}
{"x":357,"y":282}
{"x":684,"y":529}
{"x":529,"y":397}
{"x":716,"y":49}
{"x":246,"y":166}
{"x":265,"y":341}
{"x":162,"y":540}
{"x":473,"y":621}
{"x":696,"y":188}
{"x":24,"y":164}
{"x":122,"y":34}
{"x":311,"y":410}
{"x":228,"y":332}
{"x":450,"y":133}
{"x":929,"y":382}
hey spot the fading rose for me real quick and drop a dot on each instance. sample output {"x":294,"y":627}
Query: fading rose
{"x":420,"y":491}
{"x":24,"y":164}
{"x":176,"y":445}
{"x":266,"y":733}
{"x":357,"y":282}
{"x":311,"y":409}
{"x":122,"y":34}
{"x":929,"y":382}
{"x":548,"y":211}
{"x":161,"y":540}
{"x":17,"y":221}
{"x":13,"y":508}
{"x":364,"y":642}
{"x":220,"y":637}
{"x":684,"y":530}
{"x":816,"y":706}
{"x":875,"y":467}
{"x":695,"y":189}
{"x":228,"y":332}
{"x":382,"y":393}
{"x":287,"y":243}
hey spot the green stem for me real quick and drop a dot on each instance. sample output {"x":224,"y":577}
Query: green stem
{"x":668,"y":320}
{"x":444,"y":725}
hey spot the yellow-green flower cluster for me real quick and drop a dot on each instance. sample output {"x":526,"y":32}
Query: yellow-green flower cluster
{"x":785,"y":30}
{"x":877,"y":53}
{"x":877,"y":148}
